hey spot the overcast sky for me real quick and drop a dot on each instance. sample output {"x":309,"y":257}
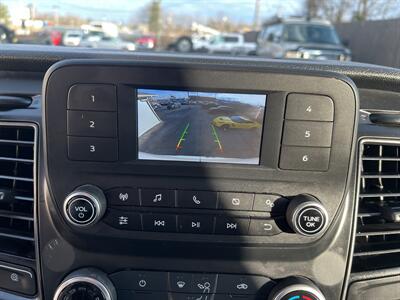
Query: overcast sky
{"x":258,"y":100}
{"x":124,"y":10}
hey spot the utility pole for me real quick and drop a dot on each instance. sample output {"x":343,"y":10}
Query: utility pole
{"x":256,"y":14}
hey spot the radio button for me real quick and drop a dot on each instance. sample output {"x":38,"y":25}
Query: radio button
{"x":304,"y":133}
{"x":123,"y":196}
{"x":304,"y":158}
{"x":123,"y":220}
{"x":231,"y":225}
{"x":159,"y":222}
{"x":92,"y":149}
{"x":270,"y":203}
{"x":158,"y":197}
{"x":197,"y":199}
{"x":92,"y":123}
{"x":195,"y":224}
{"x":97,"y":97}
{"x":309,"y":107}
{"x":235,"y":201}
{"x":264,"y":227}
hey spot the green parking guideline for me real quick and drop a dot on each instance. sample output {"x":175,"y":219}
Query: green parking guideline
{"x":217,"y":140}
{"x":182,"y":138}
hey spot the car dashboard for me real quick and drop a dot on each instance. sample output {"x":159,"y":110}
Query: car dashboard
{"x":160,"y":176}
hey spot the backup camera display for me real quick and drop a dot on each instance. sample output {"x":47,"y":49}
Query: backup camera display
{"x":200,"y":127}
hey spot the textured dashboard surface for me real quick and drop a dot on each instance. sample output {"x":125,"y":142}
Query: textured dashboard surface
{"x":40,"y":58}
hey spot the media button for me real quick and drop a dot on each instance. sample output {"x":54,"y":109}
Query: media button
{"x":235,"y":201}
{"x":230,"y":225}
{"x":157,"y":197}
{"x":159,"y":222}
{"x":195,"y":224}
{"x":197,"y":199}
{"x":123,"y":196}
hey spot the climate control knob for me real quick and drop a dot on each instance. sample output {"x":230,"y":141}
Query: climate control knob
{"x":88,"y":284}
{"x":296,"y":288}
{"x":306,"y":215}
{"x":85,"y":206}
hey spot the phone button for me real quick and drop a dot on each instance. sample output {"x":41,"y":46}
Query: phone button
{"x":197,"y":199}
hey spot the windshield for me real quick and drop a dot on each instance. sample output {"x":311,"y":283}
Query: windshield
{"x":340,"y":30}
{"x":305,"y":33}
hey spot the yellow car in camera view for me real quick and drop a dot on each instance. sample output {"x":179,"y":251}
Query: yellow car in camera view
{"x":235,"y":122}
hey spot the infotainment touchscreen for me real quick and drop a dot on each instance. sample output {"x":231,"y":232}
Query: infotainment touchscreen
{"x":200,"y":126}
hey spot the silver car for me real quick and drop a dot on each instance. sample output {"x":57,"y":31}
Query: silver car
{"x":301,"y":39}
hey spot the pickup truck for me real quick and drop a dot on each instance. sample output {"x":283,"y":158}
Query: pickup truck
{"x":232,"y":43}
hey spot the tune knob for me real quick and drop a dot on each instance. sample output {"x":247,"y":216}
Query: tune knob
{"x":306,"y":215}
{"x":85,"y":206}
{"x":297,"y":288}
{"x":88,"y":284}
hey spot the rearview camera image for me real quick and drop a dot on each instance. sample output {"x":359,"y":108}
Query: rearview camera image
{"x":200,"y":127}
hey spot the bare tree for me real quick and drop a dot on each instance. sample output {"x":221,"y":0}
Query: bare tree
{"x":373,"y":9}
{"x":338,"y":11}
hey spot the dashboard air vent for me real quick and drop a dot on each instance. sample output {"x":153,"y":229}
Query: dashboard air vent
{"x":17,"y":173}
{"x":378,"y":222}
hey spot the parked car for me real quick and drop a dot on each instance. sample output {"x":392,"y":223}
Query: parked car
{"x":230,"y":43}
{"x":301,"y":39}
{"x":146,"y":43}
{"x":6,"y":35}
{"x":72,"y":38}
{"x":225,"y":122}
{"x":173,"y":105}
{"x":106,"y":42}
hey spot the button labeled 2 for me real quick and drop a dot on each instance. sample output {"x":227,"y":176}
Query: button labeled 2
{"x":89,"y":123}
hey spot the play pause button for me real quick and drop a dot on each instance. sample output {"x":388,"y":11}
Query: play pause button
{"x":195,"y":224}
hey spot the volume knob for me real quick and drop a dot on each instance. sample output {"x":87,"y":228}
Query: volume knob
{"x":85,"y":206}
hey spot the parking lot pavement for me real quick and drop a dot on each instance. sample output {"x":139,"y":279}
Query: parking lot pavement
{"x":188,"y":131}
